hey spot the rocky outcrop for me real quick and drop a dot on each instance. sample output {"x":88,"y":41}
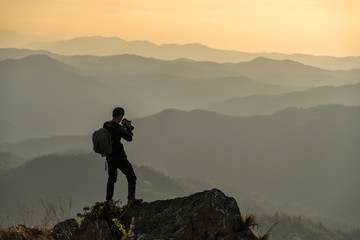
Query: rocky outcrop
{"x":205,"y":215}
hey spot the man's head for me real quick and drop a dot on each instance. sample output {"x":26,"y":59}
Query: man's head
{"x":118,"y":113}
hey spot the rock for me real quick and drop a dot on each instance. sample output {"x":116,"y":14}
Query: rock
{"x":143,"y":237}
{"x":97,"y":230}
{"x":64,"y":230}
{"x":206,"y":215}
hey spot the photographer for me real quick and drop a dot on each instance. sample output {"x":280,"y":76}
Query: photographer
{"x":118,"y":159}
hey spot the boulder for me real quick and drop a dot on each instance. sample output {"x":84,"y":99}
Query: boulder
{"x":97,"y":230}
{"x":205,"y":215}
{"x":209,"y":215}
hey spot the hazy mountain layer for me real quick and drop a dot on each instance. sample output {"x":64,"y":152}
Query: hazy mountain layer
{"x":14,"y":53}
{"x":9,"y":161}
{"x":300,"y":156}
{"x":44,"y":97}
{"x":14,"y":39}
{"x":268,"y":104}
{"x":37,"y":84}
{"x":112,"y":45}
{"x":49,"y":145}
{"x":285,"y":73}
{"x":289,"y":227}
{"x":81,"y":179}
{"x":271,"y":71}
{"x":41,"y":96}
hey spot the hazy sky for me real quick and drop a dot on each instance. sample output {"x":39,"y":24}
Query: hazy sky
{"x":330,"y":27}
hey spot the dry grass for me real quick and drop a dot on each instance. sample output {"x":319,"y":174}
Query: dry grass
{"x":22,"y":232}
{"x":53,"y":213}
{"x":249,"y":221}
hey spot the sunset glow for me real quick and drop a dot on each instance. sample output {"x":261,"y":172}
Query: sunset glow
{"x":320,"y":27}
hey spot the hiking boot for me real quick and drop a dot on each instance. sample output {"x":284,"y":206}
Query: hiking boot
{"x":132,"y":202}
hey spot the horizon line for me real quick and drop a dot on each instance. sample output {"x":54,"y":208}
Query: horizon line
{"x":52,"y":40}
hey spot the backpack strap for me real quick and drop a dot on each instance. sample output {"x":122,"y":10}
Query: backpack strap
{"x":109,"y":129}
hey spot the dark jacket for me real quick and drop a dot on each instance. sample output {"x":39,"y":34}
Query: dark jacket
{"x":118,"y":132}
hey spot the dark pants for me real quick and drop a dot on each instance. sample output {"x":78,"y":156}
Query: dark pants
{"x":126,"y":168}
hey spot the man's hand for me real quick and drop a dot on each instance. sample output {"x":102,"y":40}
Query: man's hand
{"x":127,"y":124}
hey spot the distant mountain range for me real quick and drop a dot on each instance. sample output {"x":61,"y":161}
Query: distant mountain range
{"x":270,"y":71}
{"x":80,"y":178}
{"x":268,"y":104}
{"x":14,"y":39}
{"x":43,"y":96}
{"x":302,"y":156}
{"x":296,"y":227}
{"x":9,"y":161}
{"x":14,"y":53}
{"x":105,"y":46}
{"x":36,"y":147}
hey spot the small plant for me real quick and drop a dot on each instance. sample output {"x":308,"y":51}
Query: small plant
{"x":131,"y":229}
{"x":102,"y":211}
{"x":250,"y":222}
{"x":120,"y":227}
{"x":108,"y":211}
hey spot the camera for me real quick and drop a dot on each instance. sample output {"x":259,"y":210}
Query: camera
{"x":127,"y":124}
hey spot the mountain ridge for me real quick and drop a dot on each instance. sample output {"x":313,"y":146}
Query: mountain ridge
{"x":38,"y":61}
{"x":202,"y":53}
{"x":47,"y":85}
{"x":271,"y":103}
{"x":270,"y":71}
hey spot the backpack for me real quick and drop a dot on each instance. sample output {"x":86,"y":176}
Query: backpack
{"x":102,"y":142}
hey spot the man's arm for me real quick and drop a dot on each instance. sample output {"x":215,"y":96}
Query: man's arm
{"x":124,"y":133}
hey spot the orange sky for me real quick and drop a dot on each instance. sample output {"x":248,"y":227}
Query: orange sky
{"x":321,"y":27}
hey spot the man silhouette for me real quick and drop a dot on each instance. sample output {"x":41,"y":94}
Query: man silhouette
{"x":118,"y":159}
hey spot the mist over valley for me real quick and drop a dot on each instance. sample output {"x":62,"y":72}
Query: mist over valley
{"x":36,"y":87}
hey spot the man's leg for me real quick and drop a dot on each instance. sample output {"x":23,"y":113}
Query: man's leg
{"x":112,"y":172}
{"x":127,"y":169}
